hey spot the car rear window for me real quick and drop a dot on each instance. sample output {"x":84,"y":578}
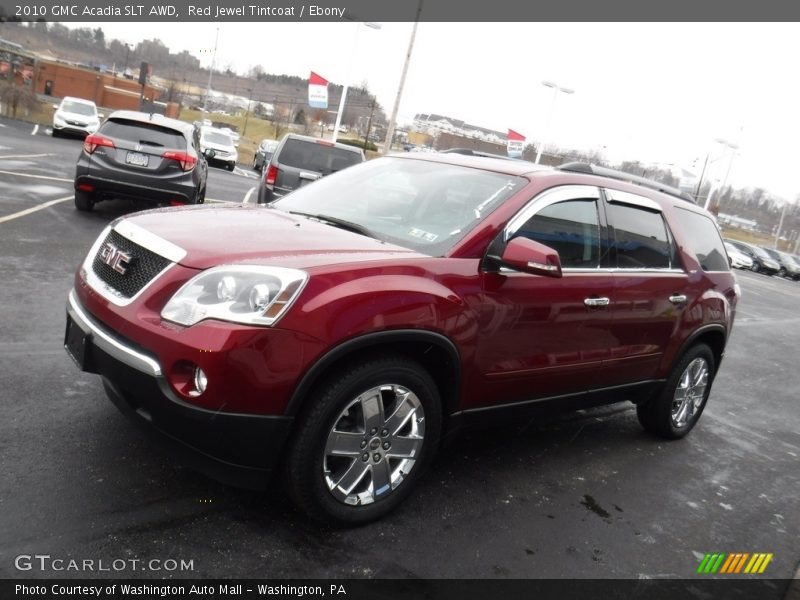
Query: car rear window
{"x":316,"y":157}
{"x":143,"y":133}
{"x":705,"y":239}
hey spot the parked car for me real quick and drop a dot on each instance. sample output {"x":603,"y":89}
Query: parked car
{"x":75,"y":116}
{"x":264,"y":153}
{"x":225,"y":152}
{"x":341,"y":331}
{"x":739,"y":260}
{"x":762,"y":262}
{"x":141,"y":156}
{"x":787,"y":267}
{"x":299,"y":160}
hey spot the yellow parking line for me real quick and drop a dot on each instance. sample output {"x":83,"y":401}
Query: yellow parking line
{"x":33,"y":209}
{"x":36,"y":176}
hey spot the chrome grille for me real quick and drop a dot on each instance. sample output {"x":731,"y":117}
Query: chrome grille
{"x":140,"y":270}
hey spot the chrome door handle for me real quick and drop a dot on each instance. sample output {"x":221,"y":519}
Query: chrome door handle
{"x":677,"y":298}
{"x":597,"y":301}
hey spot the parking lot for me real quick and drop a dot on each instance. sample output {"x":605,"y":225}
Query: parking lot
{"x":586,"y":495}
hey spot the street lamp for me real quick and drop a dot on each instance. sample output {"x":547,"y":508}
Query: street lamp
{"x":387,"y":145}
{"x":211,"y":70}
{"x":340,"y":112}
{"x":556,"y":89}
{"x":729,"y":146}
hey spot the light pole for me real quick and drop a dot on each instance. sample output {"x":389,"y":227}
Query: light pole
{"x":247,"y":113}
{"x":340,"y":112}
{"x":556,"y":89}
{"x":731,"y":146}
{"x":387,"y":145}
{"x":211,"y":70}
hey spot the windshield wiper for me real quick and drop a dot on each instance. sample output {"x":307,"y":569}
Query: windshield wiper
{"x":337,"y":222}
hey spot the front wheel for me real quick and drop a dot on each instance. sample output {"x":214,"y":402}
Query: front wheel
{"x":678,"y":406}
{"x":366,"y":438}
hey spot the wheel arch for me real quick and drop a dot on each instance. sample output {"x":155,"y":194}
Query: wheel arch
{"x":715,"y":336}
{"x":434,"y":351}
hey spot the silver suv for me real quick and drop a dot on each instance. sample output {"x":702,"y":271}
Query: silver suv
{"x":299,"y":160}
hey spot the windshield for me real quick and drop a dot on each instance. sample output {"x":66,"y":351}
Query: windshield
{"x":79,"y":108}
{"x":217,"y":137}
{"x":421,"y":205}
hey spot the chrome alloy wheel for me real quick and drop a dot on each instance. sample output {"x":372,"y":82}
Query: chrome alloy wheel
{"x":690,"y":392}
{"x":374,"y":444}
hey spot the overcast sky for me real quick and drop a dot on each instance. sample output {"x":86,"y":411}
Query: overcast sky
{"x":658,"y":92}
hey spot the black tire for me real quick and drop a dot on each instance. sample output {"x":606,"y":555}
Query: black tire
{"x":658,"y":415}
{"x":84,"y":201}
{"x":255,"y":164}
{"x":201,"y":196}
{"x":230,"y":166}
{"x":55,"y":133}
{"x":782,"y":272}
{"x":338,"y":403}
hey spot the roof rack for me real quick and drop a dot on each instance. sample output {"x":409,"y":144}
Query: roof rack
{"x":592,"y":169}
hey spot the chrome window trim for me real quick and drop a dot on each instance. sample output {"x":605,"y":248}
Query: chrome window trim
{"x":618,"y":197}
{"x":144,"y":238}
{"x":605,"y":270}
{"x":547,"y":198}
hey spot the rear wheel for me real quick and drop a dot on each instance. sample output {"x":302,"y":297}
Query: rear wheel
{"x":83,"y":200}
{"x":781,"y":272}
{"x":366,"y":438}
{"x":230,"y":166}
{"x":678,"y":406}
{"x":201,"y":196}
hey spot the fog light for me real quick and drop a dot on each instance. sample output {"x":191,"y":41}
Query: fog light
{"x":200,"y":382}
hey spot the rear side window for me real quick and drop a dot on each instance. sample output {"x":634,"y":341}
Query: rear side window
{"x":147,"y":134}
{"x":704,"y":237}
{"x":640,"y":237}
{"x":316,"y":157}
{"x":572,"y":228}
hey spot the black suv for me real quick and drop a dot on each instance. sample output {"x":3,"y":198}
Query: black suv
{"x":146,"y":157}
{"x":300,"y":159}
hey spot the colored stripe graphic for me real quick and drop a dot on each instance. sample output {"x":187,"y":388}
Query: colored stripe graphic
{"x":733,"y":563}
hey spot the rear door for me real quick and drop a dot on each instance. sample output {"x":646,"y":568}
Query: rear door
{"x":651,"y":288}
{"x":138,"y":150}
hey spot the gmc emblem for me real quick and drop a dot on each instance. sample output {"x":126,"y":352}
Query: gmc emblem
{"x":115,"y":258}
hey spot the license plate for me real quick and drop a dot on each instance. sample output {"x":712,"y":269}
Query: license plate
{"x":75,"y":342}
{"x":136,"y":158}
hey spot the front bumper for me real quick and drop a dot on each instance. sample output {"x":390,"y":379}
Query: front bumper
{"x":239,"y":449}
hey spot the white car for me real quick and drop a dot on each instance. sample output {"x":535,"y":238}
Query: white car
{"x":222,"y":144}
{"x":739,"y":260}
{"x":75,"y":116}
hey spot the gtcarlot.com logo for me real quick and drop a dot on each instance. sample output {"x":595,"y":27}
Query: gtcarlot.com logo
{"x":46,"y":562}
{"x":734,"y":563}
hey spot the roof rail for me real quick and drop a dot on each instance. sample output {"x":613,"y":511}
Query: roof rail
{"x":592,"y":169}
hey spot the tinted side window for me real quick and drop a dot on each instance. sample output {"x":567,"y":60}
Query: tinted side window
{"x":640,"y":237}
{"x":572,"y":228}
{"x":143,"y":133}
{"x":704,"y":237}
{"x":316,"y":157}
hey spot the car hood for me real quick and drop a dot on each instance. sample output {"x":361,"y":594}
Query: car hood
{"x":221,"y":147}
{"x":64,"y":114}
{"x":253,"y":234}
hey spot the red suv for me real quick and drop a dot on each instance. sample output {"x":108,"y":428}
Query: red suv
{"x":339,"y":332}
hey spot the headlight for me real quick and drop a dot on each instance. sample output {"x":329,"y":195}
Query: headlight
{"x":243,"y":294}
{"x":58,"y":119}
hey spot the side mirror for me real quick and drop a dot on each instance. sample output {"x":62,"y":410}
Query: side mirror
{"x":100,"y":116}
{"x":209,"y":153}
{"x":55,"y":106}
{"x":528,"y":256}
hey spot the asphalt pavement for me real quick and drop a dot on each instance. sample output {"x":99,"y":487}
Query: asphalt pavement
{"x":586,"y":495}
